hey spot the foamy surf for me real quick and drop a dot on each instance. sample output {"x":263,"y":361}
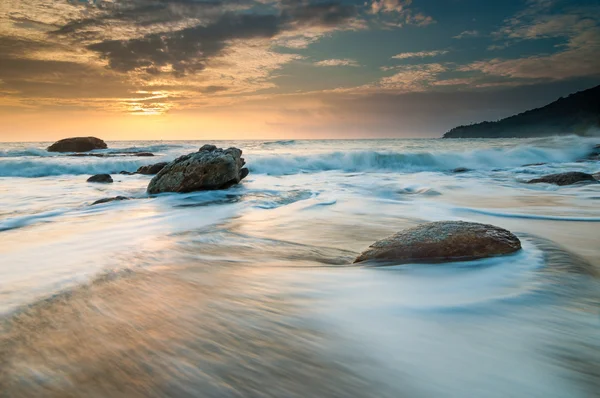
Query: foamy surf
{"x":225,"y":292}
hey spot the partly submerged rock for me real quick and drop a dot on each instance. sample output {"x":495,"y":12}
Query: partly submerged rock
{"x":107,"y":200}
{"x":568,"y":178}
{"x":103,"y":178}
{"x":77,"y":144}
{"x":442,"y":241}
{"x":151,"y":169}
{"x":209,"y":168}
{"x":460,"y":170}
{"x":533,"y":164}
{"x":596,"y":176}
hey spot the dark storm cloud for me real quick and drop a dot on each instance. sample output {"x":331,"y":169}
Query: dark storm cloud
{"x":144,"y":12}
{"x":187,"y":50}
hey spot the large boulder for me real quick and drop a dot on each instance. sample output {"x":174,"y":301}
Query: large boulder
{"x":101,"y":178}
{"x":77,"y":144}
{"x":568,"y":178}
{"x":151,"y":169}
{"x":209,"y":168}
{"x":442,"y":241}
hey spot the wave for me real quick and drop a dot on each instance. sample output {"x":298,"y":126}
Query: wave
{"x":23,"y":221}
{"x":483,"y":159}
{"x":55,"y":166}
{"x":528,"y":216}
{"x":22,"y":152}
{"x":284,"y":164}
{"x":149,"y":148}
{"x":281,"y":142}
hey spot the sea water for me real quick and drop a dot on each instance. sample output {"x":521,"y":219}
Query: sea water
{"x":251,"y":291}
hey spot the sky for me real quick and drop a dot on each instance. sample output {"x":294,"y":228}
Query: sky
{"x":252,"y":69}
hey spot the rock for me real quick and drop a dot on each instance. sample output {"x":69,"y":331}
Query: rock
{"x":533,"y":164}
{"x":568,"y":178}
{"x":126,"y":173}
{"x":460,"y":170}
{"x":208,"y":148}
{"x":443,"y":241}
{"x":77,"y":144}
{"x":144,"y":154}
{"x":208,"y":169}
{"x":107,"y":200}
{"x":151,"y":169}
{"x":596,"y":176}
{"x":102,"y":178}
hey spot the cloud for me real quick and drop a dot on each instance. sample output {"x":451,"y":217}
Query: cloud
{"x":467,"y":33}
{"x":398,"y":12}
{"x":420,"y":54}
{"x":378,"y":6}
{"x":413,"y":78}
{"x":578,"y":29}
{"x":337,"y":62}
{"x":186,"y":48}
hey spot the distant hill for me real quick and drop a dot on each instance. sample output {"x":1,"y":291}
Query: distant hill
{"x":579,"y":114}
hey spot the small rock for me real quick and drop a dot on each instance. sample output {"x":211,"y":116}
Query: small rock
{"x":442,"y":241}
{"x":533,"y":164}
{"x":208,"y":169}
{"x":107,"y":200}
{"x":143,"y":154}
{"x":151,"y":169}
{"x":77,"y":144}
{"x":460,"y":170}
{"x":596,"y":176}
{"x":568,"y":178}
{"x":101,"y":178}
{"x":126,"y":173}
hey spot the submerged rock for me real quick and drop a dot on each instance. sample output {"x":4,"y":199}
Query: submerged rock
{"x":460,"y":170}
{"x":209,"y":168}
{"x":107,"y":200}
{"x":102,"y":178}
{"x":442,"y":241}
{"x":151,"y":168}
{"x":533,"y":164}
{"x":77,"y":144}
{"x":568,"y":178}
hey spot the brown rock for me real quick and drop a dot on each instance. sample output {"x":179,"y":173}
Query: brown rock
{"x":568,"y":178}
{"x":77,"y":144}
{"x":443,"y":241}
{"x":208,"y":169}
{"x":107,"y":200}
{"x":151,"y":169}
{"x":101,"y":178}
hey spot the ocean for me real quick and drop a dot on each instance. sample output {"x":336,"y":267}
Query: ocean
{"x":251,"y":291}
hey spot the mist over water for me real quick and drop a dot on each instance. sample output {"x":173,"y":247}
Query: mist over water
{"x":250,"y":292}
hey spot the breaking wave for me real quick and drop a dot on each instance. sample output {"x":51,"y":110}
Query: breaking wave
{"x":55,"y":166}
{"x":351,"y":161}
{"x":484,"y":159}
